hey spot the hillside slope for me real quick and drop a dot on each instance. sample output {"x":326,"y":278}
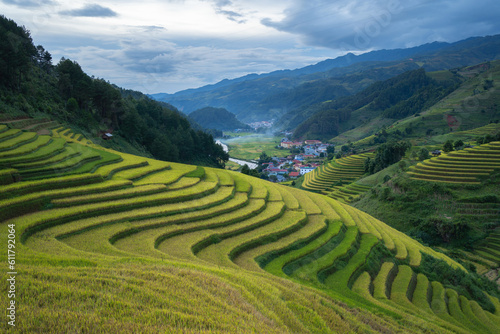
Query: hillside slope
{"x":382,"y":102}
{"x":217,"y":118}
{"x":31,"y":86}
{"x":470,"y":105}
{"x":107,"y":241}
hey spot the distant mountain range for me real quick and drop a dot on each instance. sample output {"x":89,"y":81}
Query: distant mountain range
{"x":272,"y":95}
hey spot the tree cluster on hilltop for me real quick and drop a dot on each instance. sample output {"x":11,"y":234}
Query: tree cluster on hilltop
{"x":30,"y":85}
{"x":387,"y":154}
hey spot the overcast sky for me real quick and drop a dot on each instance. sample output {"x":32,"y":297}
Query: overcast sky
{"x":170,"y":45}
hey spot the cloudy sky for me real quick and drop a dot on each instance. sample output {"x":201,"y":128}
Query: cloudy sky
{"x":170,"y":45}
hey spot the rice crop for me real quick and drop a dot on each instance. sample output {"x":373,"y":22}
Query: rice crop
{"x":141,"y":241}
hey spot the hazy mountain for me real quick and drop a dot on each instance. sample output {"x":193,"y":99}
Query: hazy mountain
{"x":392,"y":99}
{"x":217,"y":118}
{"x":271,"y":95}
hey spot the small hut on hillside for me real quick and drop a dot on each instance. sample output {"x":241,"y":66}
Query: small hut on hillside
{"x":436,"y":153}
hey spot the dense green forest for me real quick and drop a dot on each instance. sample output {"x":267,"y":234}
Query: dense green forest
{"x":30,"y":85}
{"x":386,"y":155}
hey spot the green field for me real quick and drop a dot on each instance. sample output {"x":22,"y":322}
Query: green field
{"x":139,"y":245}
{"x":250,"y":147}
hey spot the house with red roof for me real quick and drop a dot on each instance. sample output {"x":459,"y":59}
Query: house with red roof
{"x":289,"y":144}
{"x":312,"y":142}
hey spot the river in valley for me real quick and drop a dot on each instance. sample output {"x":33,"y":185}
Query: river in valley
{"x":251,"y":165}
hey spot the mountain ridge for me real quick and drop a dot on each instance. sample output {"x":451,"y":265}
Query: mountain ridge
{"x":248,"y":96}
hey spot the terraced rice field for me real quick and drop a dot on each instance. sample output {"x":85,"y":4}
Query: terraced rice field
{"x":465,"y":166}
{"x":138,"y":245}
{"x":488,"y":129}
{"x":490,"y":250}
{"x":348,"y":193}
{"x":336,"y":178}
{"x":31,"y":124}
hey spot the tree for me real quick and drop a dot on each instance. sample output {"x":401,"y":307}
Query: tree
{"x":330,"y":149}
{"x":17,"y":53}
{"x":245,"y":169}
{"x":72,"y":105}
{"x":402,"y":165}
{"x":369,"y":167}
{"x":423,"y":154}
{"x":264,"y":158}
{"x":386,"y":155}
{"x":458,"y":144}
{"x":252,"y":172}
{"x":448,"y":146}
{"x":43,"y":59}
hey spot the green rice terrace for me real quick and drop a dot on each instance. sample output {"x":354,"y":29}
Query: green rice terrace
{"x":470,"y":166}
{"x":111,"y":242}
{"x":465,"y":166}
{"x":490,"y":250}
{"x":336,"y":179}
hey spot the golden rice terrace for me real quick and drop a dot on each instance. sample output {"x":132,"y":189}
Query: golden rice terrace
{"x":110,"y":242}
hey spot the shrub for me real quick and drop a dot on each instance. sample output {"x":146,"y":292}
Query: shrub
{"x":448,"y":146}
{"x":458,"y":144}
{"x":423,"y":154}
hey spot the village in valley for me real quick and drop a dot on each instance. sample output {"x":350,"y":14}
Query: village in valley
{"x":304,"y":158}
{"x":281,"y":159}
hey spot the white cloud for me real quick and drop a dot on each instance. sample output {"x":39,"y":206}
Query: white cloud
{"x":158,"y":45}
{"x":159,"y":66}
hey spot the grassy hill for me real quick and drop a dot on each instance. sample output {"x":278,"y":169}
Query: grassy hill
{"x":381,"y":103}
{"x":110,"y":242}
{"x":471,"y":105}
